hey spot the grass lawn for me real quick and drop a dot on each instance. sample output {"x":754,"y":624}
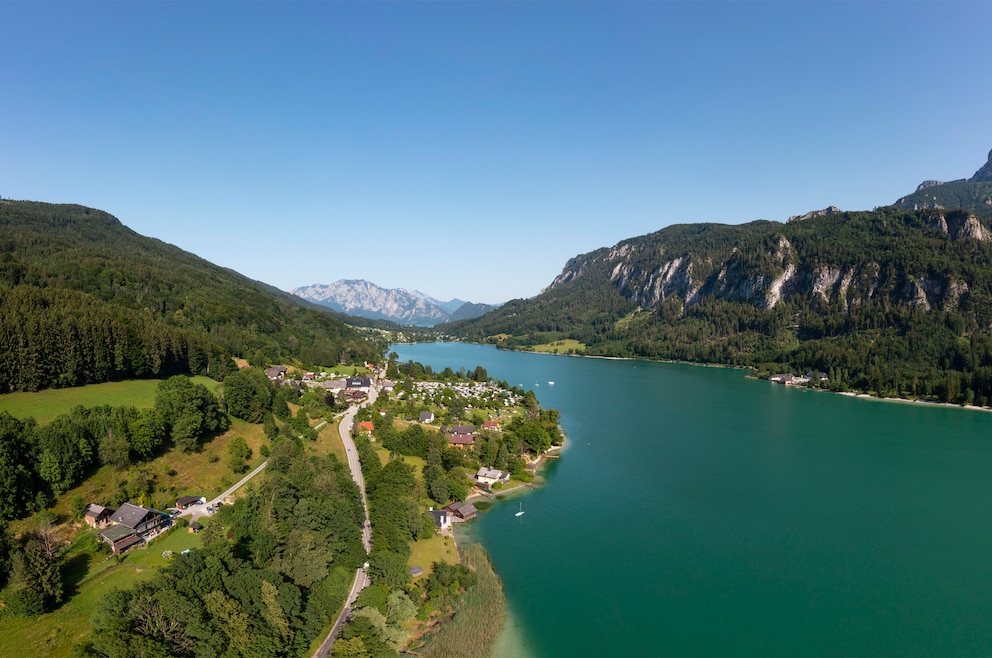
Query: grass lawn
{"x":46,"y":405}
{"x":426,"y":552}
{"x":89,"y":575}
{"x":561,"y":347}
{"x":329,"y":441}
{"x":417,"y":463}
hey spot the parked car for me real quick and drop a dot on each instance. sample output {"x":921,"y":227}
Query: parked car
{"x":210,"y":509}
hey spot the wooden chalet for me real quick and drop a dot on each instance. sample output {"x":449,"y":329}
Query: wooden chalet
{"x":96,"y":516}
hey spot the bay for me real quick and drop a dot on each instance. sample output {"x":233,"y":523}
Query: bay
{"x":697,"y":512}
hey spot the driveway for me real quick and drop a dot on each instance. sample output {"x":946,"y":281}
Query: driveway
{"x":193,"y":512}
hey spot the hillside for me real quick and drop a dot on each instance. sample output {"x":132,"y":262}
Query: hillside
{"x":974,"y":194}
{"x":86,"y":299}
{"x":892,"y":301}
{"x":357,"y":297}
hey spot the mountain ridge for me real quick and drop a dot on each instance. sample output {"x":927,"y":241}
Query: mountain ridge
{"x":358,"y":297}
{"x":887,"y":299}
{"x":87,"y":299}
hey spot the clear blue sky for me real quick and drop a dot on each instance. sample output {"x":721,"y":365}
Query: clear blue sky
{"x":468,"y":149}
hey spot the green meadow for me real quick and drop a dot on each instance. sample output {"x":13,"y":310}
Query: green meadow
{"x":565,"y":346}
{"x":45,"y":405}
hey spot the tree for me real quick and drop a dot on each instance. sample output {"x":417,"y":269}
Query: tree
{"x":189,"y":410}
{"x":147,"y":433}
{"x":238,"y":454}
{"x":16,"y":471}
{"x":115,"y":449}
{"x":269,"y":427}
{"x":248,"y":394}
{"x":37,"y":571}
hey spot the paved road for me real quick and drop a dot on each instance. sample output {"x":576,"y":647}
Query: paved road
{"x":196,"y":511}
{"x":361,"y":578}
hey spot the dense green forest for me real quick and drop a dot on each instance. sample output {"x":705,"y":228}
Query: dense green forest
{"x":274,"y":568}
{"x":85,"y":299}
{"x":890,"y":301}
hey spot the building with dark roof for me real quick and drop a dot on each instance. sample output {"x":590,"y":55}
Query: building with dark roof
{"x":139,"y":519}
{"x":463,"y":511}
{"x":120,"y":538}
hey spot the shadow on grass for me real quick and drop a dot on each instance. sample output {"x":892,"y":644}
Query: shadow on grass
{"x":74,"y":572}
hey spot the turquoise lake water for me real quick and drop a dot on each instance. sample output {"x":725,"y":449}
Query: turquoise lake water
{"x":696,"y":512}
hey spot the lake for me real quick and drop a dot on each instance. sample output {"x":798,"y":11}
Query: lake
{"x":696,"y":512}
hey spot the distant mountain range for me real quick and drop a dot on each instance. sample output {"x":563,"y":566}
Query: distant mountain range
{"x":365,"y":299}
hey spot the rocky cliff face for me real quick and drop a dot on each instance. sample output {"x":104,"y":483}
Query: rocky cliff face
{"x":974,"y":194}
{"x":768,"y":270}
{"x":983,"y":175}
{"x":367,"y":300}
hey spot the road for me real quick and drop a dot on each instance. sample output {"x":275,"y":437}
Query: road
{"x":361,"y":578}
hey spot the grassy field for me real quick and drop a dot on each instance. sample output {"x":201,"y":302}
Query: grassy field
{"x":43,"y":406}
{"x":426,"y":552}
{"x":561,"y":347}
{"x":417,"y":462}
{"x":89,"y":575}
{"x":479,"y":615}
{"x":329,"y":441}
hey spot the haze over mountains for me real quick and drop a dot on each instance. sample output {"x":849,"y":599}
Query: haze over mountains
{"x":362,"y":298}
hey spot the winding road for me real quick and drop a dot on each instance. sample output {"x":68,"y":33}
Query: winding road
{"x":361,"y":578}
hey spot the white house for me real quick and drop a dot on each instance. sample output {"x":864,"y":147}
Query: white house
{"x":490,"y":476}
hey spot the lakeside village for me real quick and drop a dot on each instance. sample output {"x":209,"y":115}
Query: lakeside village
{"x":506,"y":461}
{"x":434,"y":449}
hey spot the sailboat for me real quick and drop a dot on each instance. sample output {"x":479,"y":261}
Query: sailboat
{"x":521,"y":512}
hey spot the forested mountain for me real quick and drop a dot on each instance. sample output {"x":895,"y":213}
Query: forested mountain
{"x":357,"y":297}
{"x":86,"y":299}
{"x":973,"y":194}
{"x":892,"y":301}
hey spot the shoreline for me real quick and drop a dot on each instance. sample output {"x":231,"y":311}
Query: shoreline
{"x":852,"y":394}
{"x":868,"y":396}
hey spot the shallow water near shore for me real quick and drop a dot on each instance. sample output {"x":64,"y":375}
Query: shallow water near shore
{"x":698,"y":512}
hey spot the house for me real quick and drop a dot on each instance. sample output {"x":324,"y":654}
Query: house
{"x":462,"y":511}
{"x":460,"y":435}
{"x":491,"y":425}
{"x":194,"y":528}
{"x":183,"y":502}
{"x":354,"y":396}
{"x":490,"y":476}
{"x":96,"y":516}
{"x":460,"y":439}
{"x":139,"y":519}
{"x":366,"y":426}
{"x":382,"y":412}
{"x":310,"y":376}
{"x":426,"y":416}
{"x":788,"y":379}
{"x":358,"y":384}
{"x":121,"y":538}
{"x":276,"y":372}
{"x":442,"y":520}
{"x":334,"y":385}
{"x":387,"y":385}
